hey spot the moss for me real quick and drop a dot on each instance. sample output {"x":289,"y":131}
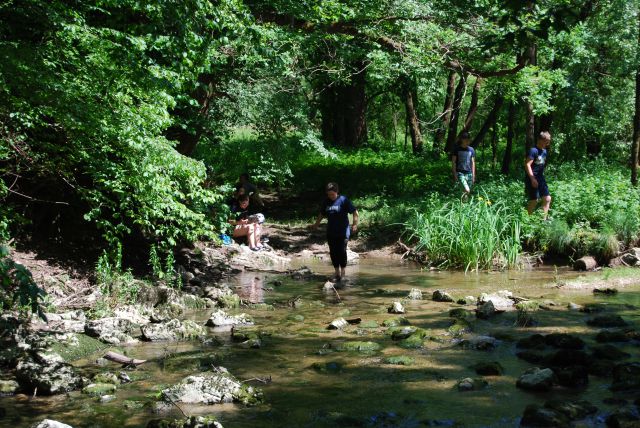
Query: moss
{"x":81,"y":346}
{"x":330,"y":367}
{"x":395,"y":322}
{"x":528,"y":305}
{"x":343,"y":313}
{"x":106,"y":377}
{"x":295,"y":317}
{"x":133,"y":404}
{"x":369,"y":324}
{"x":460,"y":327}
{"x":399,"y":360}
{"x":99,"y":389}
{"x":416,"y":340}
{"x":261,"y":307}
{"x":229,"y":301}
{"x":358,"y":346}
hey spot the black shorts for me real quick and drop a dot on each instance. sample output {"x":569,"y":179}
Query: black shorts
{"x":535,"y":193}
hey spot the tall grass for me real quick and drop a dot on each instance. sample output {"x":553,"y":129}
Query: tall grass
{"x":475,"y":235}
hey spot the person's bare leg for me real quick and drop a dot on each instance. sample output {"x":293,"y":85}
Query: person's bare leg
{"x":531,"y":206}
{"x":546,"y":203}
{"x":251,"y":237}
{"x":337,"y":276}
{"x":258,"y":233}
{"x":342,"y":273}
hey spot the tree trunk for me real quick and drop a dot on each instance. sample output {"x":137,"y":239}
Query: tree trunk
{"x":506,"y":160}
{"x":344,"y":112}
{"x":455,"y":113}
{"x":473,"y":107}
{"x":412,"y":116}
{"x":635,"y":144}
{"x":530,"y":140}
{"x":489,"y":122}
{"x":446,"y":111}
{"x":494,"y":145}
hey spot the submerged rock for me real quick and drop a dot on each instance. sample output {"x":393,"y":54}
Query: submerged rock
{"x":399,"y":360}
{"x":572,"y":376}
{"x":394,"y":322}
{"x":396,"y":308}
{"x":605,"y":336}
{"x":442,"y":296}
{"x":490,"y":368}
{"x":607,"y":321}
{"x":626,"y":377}
{"x":460,"y":313}
{"x":536,"y":379}
{"x":480,"y":343}
{"x":359,"y":346}
{"x":48,"y":373}
{"x":99,"y":389}
{"x":330,"y":367}
{"x":626,"y":417}
{"x":50,"y":423}
{"x":173,"y":330}
{"x":564,"y":341}
{"x":460,"y":327}
{"x":221,"y":318}
{"x":399,"y":333}
{"x":111,"y":330}
{"x":609,"y":352}
{"x":212,"y":388}
{"x":415,"y":340}
{"x":535,"y":341}
{"x":189,"y":422}
{"x":470,"y":384}
{"x":556,"y":413}
{"x":467,"y":300}
{"x":486,"y":310}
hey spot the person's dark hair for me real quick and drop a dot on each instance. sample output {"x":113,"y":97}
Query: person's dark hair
{"x":465,"y":136}
{"x":246,"y":176}
{"x":243,"y":198}
{"x":332,"y":187}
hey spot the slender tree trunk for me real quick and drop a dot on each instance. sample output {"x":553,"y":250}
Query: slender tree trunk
{"x":494,"y":145}
{"x":506,"y":160}
{"x":635,"y":144}
{"x":473,"y":107}
{"x":530,"y":140}
{"x":455,"y":113}
{"x":412,"y":116}
{"x":489,"y":122}
{"x":446,"y":111}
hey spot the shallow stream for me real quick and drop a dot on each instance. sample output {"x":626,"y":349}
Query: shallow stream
{"x":310,"y":384}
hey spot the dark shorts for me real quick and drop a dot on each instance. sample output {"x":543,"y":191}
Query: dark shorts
{"x":536,"y":193}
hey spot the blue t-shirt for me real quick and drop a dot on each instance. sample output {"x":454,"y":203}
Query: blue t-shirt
{"x":463,"y":158}
{"x":337,"y":216}
{"x":539,"y":157}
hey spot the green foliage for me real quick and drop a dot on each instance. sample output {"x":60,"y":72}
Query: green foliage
{"x":116,"y":285}
{"x":19,"y":290}
{"x":480,"y":234}
{"x":166,"y":272}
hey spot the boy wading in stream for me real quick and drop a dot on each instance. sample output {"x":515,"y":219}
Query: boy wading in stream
{"x":337,"y":209}
{"x":534,"y":181}
{"x":463,"y":164}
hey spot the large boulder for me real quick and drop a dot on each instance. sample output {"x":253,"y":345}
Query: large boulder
{"x":212,"y":388}
{"x":72,"y":321}
{"x":501,"y":300}
{"x":626,"y":377}
{"x":556,"y":413}
{"x":112,"y":330}
{"x":173,"y":330}
{"x":536,"y":379}
{"x":442,"y":296}
{"x":48,"y":373}
{"x":221,"y":318}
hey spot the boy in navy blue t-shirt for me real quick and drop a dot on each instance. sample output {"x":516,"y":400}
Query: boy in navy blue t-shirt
{"x":337,"y":209}
{"x":463,"y":164}
{"x":534,"y":181}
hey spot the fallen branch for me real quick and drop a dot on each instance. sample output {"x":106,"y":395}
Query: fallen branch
{"x":119,"y":358}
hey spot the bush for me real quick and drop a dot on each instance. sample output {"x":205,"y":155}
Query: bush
{"x":19,"y":291}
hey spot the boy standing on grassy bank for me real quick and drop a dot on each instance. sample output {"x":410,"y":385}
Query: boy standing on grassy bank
{"x":534,"y":181}
{"x":337,"y":209}
{"x":463,"y":164}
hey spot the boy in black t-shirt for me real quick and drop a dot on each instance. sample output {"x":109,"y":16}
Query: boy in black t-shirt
{"x":463,"y":164}
{"x":534,"y":181}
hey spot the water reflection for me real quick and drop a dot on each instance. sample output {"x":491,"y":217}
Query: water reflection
{"x":250,"y":287}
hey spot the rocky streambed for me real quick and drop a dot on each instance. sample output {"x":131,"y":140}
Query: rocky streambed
{"x":392,"y":347}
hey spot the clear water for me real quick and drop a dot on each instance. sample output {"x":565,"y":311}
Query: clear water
{"x":365,"y":390}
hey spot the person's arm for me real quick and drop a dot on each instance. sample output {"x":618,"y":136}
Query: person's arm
{"x":454,"y":160}
{"x":473,"y":169}
{"x":356,"y":220}
{"x":527,"y":167}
